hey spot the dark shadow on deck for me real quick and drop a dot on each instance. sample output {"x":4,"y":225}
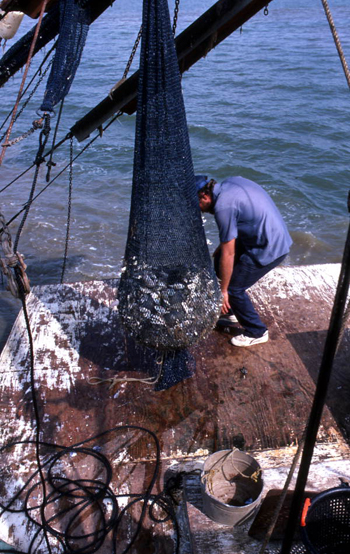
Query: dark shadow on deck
{"x":310,"y":346}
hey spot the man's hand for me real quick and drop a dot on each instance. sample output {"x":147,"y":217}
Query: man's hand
{"x":225,"y":308}
{"x":225,"y":271}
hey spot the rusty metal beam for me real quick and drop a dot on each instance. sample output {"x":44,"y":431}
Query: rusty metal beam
{"x":192,"y":44}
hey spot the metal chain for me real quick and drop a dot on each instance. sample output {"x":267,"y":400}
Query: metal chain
{"x":17,"y":280}
{"x":128,"y":65}
{"x":266,"y":10}
{"x":37,"y":124}
{"x":176,"y":14}
{"x":31,"y":94}
{"x":132,"y":55}
{"x":136,"y":45}
{"x":19,"y":95}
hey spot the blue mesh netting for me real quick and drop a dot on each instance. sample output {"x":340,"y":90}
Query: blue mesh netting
{"x":74,"y":26}
{"x":168,"y":294}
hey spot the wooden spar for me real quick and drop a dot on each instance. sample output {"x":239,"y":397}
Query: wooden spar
{"x":16,"y":57}
{"x":194,"y":43}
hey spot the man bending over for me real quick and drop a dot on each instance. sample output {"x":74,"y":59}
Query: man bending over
{"x":253,"y":240}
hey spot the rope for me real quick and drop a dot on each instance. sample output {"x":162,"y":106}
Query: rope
{"x":19,"y":95}
{"x":114,"y":380}
{"x":30,"y":96}
{"x":68,"y":136}
{"x":83,"y":495}
{"x":12,"y":260}
{"x":69,"y":207}
{"x":337,"y":41}
{"x":44,"y":135}
{"x":207,"y":478}
{"x":51,"y":163}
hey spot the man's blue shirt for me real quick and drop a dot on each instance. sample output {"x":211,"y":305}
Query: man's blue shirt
{"x":245,"y":211}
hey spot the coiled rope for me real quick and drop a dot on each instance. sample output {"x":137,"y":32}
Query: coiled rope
{"x":55,"y":503}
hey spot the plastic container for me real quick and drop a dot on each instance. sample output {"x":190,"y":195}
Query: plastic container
{"x":232,"y":486}
{"x":9,"y":24}
{"x":325,"y":522}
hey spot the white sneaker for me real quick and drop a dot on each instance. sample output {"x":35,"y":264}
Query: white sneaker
{"x":245,"y":340}
{"x":227,"y":319}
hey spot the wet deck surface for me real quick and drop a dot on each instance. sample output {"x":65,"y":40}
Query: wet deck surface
{"x":77,"y":335}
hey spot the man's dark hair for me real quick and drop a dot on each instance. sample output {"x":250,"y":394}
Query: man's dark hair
{"x":208,"y":188}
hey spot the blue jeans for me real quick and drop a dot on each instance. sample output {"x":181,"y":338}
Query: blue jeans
{"x":245,"y":274}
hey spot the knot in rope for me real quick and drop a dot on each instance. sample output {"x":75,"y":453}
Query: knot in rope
{"x":17,"y":280}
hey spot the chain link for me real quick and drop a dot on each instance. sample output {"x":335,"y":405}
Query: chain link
{"x":132,"y":55}
{"x":176,"y":14}
{"x":266,"y":10}
{"x":30,"y":96}
{"x":136,"y":45}
{"x":37,"y":124}
{"x":128,"y":65}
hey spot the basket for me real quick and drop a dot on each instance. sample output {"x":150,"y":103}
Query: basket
{"x":231,"y":486}
{"x":325,"y":522}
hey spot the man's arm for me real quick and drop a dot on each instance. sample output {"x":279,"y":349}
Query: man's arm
{"x":225,"y":271}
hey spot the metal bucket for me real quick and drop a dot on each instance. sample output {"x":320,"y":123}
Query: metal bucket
{"x":232,"y":485}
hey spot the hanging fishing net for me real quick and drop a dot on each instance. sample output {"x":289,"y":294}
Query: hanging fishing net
{"x":74,"y":25}
{"x":168,"y":294}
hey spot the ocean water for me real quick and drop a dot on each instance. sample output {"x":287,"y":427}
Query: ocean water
{"x":270,"y":103}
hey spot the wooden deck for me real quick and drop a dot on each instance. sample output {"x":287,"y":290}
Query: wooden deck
{"x":262,"y":408}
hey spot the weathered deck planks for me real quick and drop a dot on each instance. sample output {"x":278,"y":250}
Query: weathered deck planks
{"x":77,"y":335}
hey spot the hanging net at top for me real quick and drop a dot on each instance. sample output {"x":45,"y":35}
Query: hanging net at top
{"x":168,"y":294}
{"x":74,"y":25}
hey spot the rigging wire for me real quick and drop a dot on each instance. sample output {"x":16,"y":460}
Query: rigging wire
{"x":32,"y":46}
{"x":42,"y":74}
{"x":44,"y":135}
{"x":70,"y":188}
{"x":125,"y":74}
{"x":51,"y":163}
{"x":68,"y":136}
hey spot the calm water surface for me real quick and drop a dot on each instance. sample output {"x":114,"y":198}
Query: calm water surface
{"x":270,"y":103}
